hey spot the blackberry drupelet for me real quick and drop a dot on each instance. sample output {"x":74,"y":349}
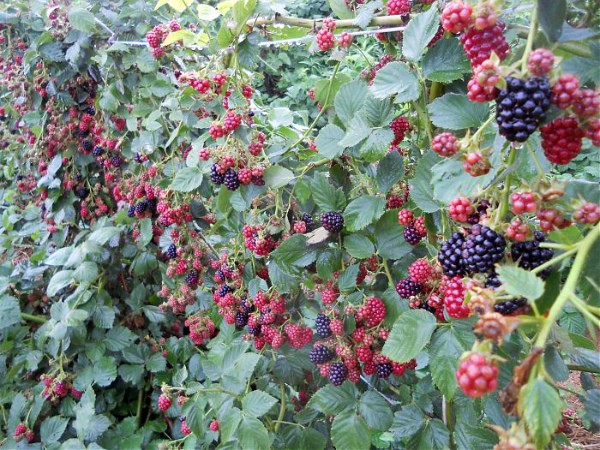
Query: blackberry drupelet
{"x":332,"y":221}
{"x":528,"y":255}
{"x":171,"y":251}
{"x":384,"y":370}
{"x":406,"y":288}
{"x":411,"y":235}
{"x":308,"y":220}
{"x":215,"y":176}
{"x":510,"y":306}
{"x":482,"y":249}
{"x":231,"y":180}
{"x":338,"y":372}
{"x":322,"y":324}
{"x":522,"y":106}
{"x":320,"y":354}
{"x":450,"y":255}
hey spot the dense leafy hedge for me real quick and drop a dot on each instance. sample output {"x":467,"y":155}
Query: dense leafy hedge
{"x":207,"y":241}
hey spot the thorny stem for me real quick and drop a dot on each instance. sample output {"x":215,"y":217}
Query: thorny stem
{"x":583,"y":248}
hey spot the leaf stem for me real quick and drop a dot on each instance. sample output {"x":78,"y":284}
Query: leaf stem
{"x":33,"y":318}
{"x":281,"y":408}
{"x":583,"y":248}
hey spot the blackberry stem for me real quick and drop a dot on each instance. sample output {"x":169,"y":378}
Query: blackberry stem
{"x":568,"y":290}
{"x":584,"y":309}
{"x":530,"y":37}
{"x":33,"y":318}
{"x":554,"y":260}
{"x":503,"y":209}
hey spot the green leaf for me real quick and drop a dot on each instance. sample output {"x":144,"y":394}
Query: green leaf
{"x":433,"y":435}
{"x":52,"y":429}
{"x":328,"y":262}
{"x":257,"y":403}
{"x":540,"y":406}
{"x":331,"y":400}
{"x":592,"y":405}
{"x":363,"y":211}
{"x":350,"y":431}
{"x":252,"y":433}
{"x":468,"y":437}
{"x":293,"y":252}
{"x":521,"y":282}
{"x":10,"y":311}
{"x":358,"y":129}
{"x":551,"y":14}
{"x":419,"y":32}
{"x":305,"y":439}
{"x":396,"y":79}
{"x":554,"y":364}
{"x":187,"y":179}
{"x":376,"y":411}
{"x":389,"y":237}
{"x":105,"y":371}
{"x":407,"y":421}
{"x":324,"y":86}
{"x":390,"y":170}
{"x":359,"y":246}
{"x":417,"y":324}
{"x":350,"y":100}
{"x":118,"y":338}
{"x":347,"y":280}
{"x":325,"y":195}
{"x":278,"y":176}
{"x":446,"y":61}
{"x":81,"y":19}
{"x":456,"y":111}
{"x":377,"y":145}
{"x":328,"y":141}
{"x":156,"y":363}
{"x":86,"y":272}
{"x":421,"y":188}
{"x":340,"y":9}
{"x":59,"y":281}
{"x":104,"y":234}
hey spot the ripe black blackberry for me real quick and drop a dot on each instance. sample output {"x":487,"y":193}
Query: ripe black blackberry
{"x":223,"y":290}
{"x":171,"y":251}
{"x":231,"y":180}
{"x":384,"y":370}
{"x":482,"y":249}
{"x":450,"y":255}
{"x":308,"y":220}
{"x":191,"y":279}
{"x":411,"y":235}
{"x":528,"y":255}
{"x":338,"y":372}
{"x":322,"y":324}
{"x":510,"y":306}
{"x":522,"y":106}
{"x":406,"y":288}
{"x":215,"y":176}
{"x":87,"y":145}
{"x":258,"y":181}
{"x":427,"y":307}
{"x":137,"y":157}
{"x":82,"y":192}
{"x":141,"y":207}
{"x":90,"y":110}
{"x":152,"y":204}
{"x":98,"y":150}
{"x":246,"y":305}
{"x":131,"y":211}
{"x":332,"y":221}
{"x":320,"y":354}
{"x":254,"y":331}
{"x":115,"y":161}
{"x":241,"y":319}
{"x":493,"y":281}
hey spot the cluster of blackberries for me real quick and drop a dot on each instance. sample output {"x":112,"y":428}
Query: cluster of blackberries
{"x":308,"y":220}
{"x":320,"y":354}
{"x":529,"y":255}
{"x":411,"y":235}
{"x":332,"y":221}
{"x":476,"y":253}
{"x":231,"y":179}
{"x":171,"y":251}
{"x":522,"y":106}
{"x":322,"y":325}
{"x":510,"y":306}
{"x":192,"y":278}
{"x":241,"y":319}
{"x":384,"y":370}
{"x":406,"y":288}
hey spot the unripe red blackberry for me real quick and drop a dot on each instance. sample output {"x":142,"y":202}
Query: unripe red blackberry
{"x":329,"y":23}
{"x":374,"y":311}
{"x":563,"y":90}
{"x":517,"y":230}
{"x":419,"y":225}
{"x":593,"y":132}
{"x":479,"y":93}
{"x":445,"y":144}
{"x":398,"y":7}
{"x":164,"y":402}
{"x":420,"y":271}
{"x":153,"y":39}
{"x":485,"y":15}
{"x":345,"y":40}
{"x":399,"y":127}
{"x":325,"y":39}
{"x":476,"y":164}
{"x":477,"y":375}
{"x":460,"y":209}
{"x":332,"y":221}
{"x":562,"y":140}
{"x":587,"y":103}
{"x":214,"y":425}
{"x":457,"y":16}
{"x":405,"y":217}
{"x":480,"y":44}
{"x":453,"y":291}
{"x":588,"y":213}
{"x":551,"y":219}
{"x":185,"y":430}
{"x":523,"y":202}
{"x":20,"y":430}
{"x":540,"y":62}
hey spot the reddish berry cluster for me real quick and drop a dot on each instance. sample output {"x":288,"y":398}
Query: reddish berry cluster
{"x":461,"y":209}
{"x":477,"y":375}
{"x":445,"y":144}
{"x":523,"y":202}
{"x":562,"y":140}
{"x":398,"y":7}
